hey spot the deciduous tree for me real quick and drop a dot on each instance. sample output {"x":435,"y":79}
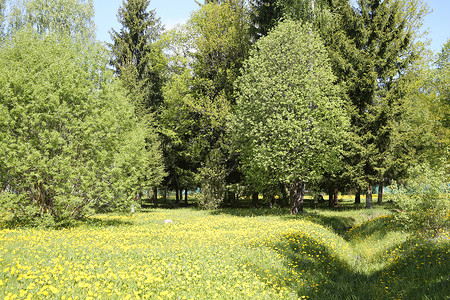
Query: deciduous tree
{"x":69,"y":139}
{"x":200,"y":97}
{"x":67,"y":17}
{"x":289,"y":118}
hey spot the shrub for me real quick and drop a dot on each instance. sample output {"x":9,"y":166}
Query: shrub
{"x":69,"y":138}
{"x":423,"y":198}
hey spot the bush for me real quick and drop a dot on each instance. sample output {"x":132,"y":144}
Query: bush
{"x":69,"y":138}
{"x":424,"y":198}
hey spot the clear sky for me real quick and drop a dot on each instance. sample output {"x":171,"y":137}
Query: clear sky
{"x":174,"y":12}
{"x":171,"y":12}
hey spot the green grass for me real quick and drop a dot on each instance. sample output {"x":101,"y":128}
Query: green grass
{"x":344,"y":253}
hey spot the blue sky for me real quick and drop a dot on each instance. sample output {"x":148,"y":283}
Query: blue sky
{"x":174,"y":12}
{"x":171,"y":12}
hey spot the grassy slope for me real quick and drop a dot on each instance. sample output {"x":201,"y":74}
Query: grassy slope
{"x":226,"y":254}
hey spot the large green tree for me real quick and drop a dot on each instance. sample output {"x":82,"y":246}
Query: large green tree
{"x":265,"y":14}
{"x":69,"y":139}
{"x":373,"y":47}
{"x":289,"y":118}
{"x":137,"y":58}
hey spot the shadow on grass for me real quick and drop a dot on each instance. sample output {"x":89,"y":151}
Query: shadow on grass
{"x":416,"y":269}
{"x":420,"y":270}
{"x":14,"y":223}
{"x":316,"y":272}
{"x":339,"y":224}
{"x":376,"y":228}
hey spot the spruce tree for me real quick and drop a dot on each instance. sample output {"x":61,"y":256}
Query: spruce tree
{"x":372,"y":49}
{"x":136,"y":57}
{"x":139,"y":62}
{"x":264,"y":15}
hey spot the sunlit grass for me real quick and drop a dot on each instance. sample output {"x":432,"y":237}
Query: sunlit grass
{"x":225,"y":254}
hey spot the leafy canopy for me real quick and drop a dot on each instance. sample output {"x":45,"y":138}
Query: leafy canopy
{"x":69,"y":140}
{"x":66,"y":17}
{"x":289,"y":118}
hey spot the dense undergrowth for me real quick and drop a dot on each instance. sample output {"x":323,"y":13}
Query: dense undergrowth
{"x":226,"y":254}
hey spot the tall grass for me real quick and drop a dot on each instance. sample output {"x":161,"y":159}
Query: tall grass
{"x":226,"y":254}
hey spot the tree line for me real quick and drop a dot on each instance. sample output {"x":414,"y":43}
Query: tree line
{"x":246,"y":98}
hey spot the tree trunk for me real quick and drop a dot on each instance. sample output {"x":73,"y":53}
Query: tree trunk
{"x":335,"y":200}
{"x":165,"y":194}
{"x":369,"y":203}
{"x":296,"y":192}
{"x":271,"y":198}
{"x":186,"y":196}
{"x":255,"y":199}
{"x":358,"y":196}
{"x":155,"y":196}
{"x":177,"y":196}
{"x":230,"y":198}
{"x":380,"y":193}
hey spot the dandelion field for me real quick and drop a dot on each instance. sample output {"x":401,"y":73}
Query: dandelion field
{"x":225,"y":254}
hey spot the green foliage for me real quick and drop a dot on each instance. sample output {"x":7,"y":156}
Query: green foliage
{"x":289,"y":118}
{"x":71,"y":17}
{"x":222,"y":43}
{"x":264,"y":15}
{"x":372,"y":49}
{"x":424,"y":199}
{"x":137,"y":57}
{"x":206,"y":57}
{"x":69,"y":140}
{"x":212,"y":179}
{"x":439,"y":90}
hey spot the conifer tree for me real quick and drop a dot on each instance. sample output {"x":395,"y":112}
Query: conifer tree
{"x":264,"y":15}
{"x":136,"y":57}
{"x":372,"y":49}
{"x":138,"y":60}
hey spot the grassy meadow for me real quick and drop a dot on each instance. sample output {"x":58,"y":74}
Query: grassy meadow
{"x":348,"y":253}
